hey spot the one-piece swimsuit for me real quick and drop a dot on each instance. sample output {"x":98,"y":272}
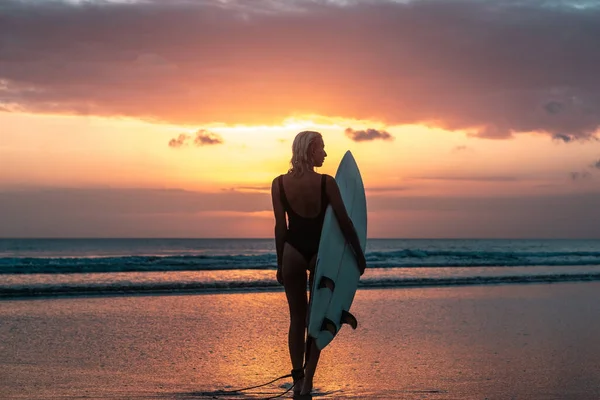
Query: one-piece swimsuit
{"x":304,"y":233}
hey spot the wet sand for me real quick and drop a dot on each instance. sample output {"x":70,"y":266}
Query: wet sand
{"x":537,"y":341}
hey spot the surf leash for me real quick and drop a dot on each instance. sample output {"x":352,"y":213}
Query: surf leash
{"x":272,"y":381}
{"x":309,"y":340}
{"x":230,"y":392}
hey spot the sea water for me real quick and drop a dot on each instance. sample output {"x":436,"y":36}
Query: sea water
{"x":34,"y":267}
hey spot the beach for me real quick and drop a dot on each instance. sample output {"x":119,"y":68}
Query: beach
{"x":519,"y":341}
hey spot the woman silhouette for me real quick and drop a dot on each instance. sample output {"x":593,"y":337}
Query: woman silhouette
{"x":304,"y":195}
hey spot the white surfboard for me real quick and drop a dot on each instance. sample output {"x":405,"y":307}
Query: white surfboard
{"x":336,"y":273}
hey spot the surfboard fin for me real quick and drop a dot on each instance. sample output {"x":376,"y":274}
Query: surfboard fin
{"x":326,"y":282}
{"x":349,"y":319}
{"x":328,"y":325}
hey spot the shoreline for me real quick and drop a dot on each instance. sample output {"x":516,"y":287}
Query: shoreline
{"x":200,"y":289}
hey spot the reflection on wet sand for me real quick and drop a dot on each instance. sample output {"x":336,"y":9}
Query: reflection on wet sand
{"x":523,"y":341}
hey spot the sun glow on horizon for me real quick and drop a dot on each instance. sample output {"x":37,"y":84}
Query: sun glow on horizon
{"x":129,"y":161}
{"x":89,"y":151}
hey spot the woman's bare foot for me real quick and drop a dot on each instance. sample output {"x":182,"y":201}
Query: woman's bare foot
{"x":298,"y":377}
{"x":307,"y":386}
{"x":298,"y":386}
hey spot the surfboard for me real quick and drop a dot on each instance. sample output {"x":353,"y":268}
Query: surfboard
{"x":336,"y":273}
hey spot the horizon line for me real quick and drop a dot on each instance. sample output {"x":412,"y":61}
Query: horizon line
{"x":272,"y":238}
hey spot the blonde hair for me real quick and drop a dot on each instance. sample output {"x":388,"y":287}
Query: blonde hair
{"x":301,"y":147}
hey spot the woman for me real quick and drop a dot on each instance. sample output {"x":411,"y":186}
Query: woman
{"x":304,"y":195}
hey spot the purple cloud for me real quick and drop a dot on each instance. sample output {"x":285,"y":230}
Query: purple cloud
{"x":178,"y":213}
{"x":490,"y":68}
{"x":367,"y":135}
{"x":179,"y":141}
{"x":577,"y":176}
{"x":473,"y":178}
{"x":204,"y":138}
{"x":565,"y":138}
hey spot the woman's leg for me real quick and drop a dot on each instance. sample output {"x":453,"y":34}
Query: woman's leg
{"x":312,"y":351}
{"x":294,"y":282}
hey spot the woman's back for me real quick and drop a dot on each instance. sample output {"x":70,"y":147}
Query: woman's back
{"x":304,"y":200}
{"x":303,"y":193}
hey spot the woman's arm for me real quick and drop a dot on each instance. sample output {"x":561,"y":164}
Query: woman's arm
{"x":346,"y":225}
{"x":280,"y":225}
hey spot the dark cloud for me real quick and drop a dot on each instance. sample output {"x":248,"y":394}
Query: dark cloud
{"x":492,"y":68}
{"x":136,"y":201}
{"x":367,"y":135}
{"x":565,"y":138}
{"x":179,"y":141}
{"x":205,"y":138}
{"x":596,"y":164}
{"x":129,"y":213}
{"x":469,"y":178}
{"x":202,"y":138}
{"x":577,"y":176}
{"x":386,"y":189}
{"x":179,"y":213}
{"x":558,"y":216}
{"x":249,"y":189}
{"x":554,"y":107}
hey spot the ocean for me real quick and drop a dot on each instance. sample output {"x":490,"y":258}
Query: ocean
{"x":58,"y":267}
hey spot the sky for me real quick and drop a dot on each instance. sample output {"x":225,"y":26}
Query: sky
{"x":468,"y":118}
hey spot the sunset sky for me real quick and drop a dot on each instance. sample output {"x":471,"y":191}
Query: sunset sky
{"x":468,"y":118}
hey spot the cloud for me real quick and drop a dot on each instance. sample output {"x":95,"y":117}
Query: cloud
{"x":565,"y":138}
{"x":180,"y":213}
{"x":387,"y":189}
{"x":596,"y":164}
{"x":245,"y":189}
{"x":132,"y":213}
{"x":367,"y":135}
{"x":491,"y":68}
{"x":553,"y":216}
{"x":469,"y":178}
{"x":554,"y":107}
{"x":460,"y":149}
{"x":139,"y":201}
{"x":577,"y":176}
{"x":179,"y":141}
{"x":202,"y":138}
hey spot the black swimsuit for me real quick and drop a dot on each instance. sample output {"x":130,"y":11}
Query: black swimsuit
{"x":303,"y":233}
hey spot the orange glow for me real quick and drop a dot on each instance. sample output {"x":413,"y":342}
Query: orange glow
{"x":44,"y":150}
{"x":102,"y":153}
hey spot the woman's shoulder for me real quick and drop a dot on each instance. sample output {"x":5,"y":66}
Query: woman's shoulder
{"x":276,"y":181}
{"x":290,"y":177}
{"x":280,"y":176}
{"x":328,"y":178}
